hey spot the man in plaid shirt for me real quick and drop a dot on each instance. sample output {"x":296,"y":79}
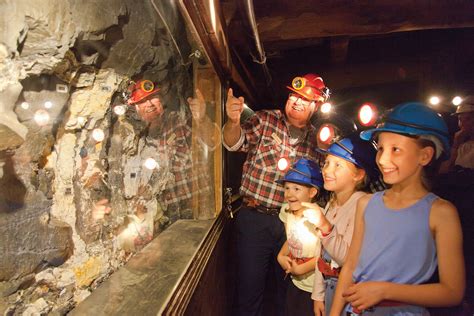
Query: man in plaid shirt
{"x":266,"y":137}
{"x":171,"y":132}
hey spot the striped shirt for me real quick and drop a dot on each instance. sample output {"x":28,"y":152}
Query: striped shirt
{"x":265,"y":138}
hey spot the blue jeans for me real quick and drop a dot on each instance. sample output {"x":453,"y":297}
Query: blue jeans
{"x":331,"y":284}
{"x":259,"y":239}
{"x":402,"y":310}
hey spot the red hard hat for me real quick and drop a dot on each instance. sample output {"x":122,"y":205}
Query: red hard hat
{"x":140,"y":90}
{"x":311,"y":87}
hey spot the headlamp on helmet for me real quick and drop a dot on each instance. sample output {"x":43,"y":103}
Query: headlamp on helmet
{"x":298,"y":83}
{"x":368,"y":114}
{"x":147,"y":85}
{"x":326,"y":133}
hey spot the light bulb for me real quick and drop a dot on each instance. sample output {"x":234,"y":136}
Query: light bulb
{"x":98,"y":135}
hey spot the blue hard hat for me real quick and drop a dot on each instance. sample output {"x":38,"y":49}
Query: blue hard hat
{"x":305,"y":172}
{"x":416,"y":119}
{"x":357,"y":151}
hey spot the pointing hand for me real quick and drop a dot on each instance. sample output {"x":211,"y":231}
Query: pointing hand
{"x":197,"y":106}
{"x":234,"y":107}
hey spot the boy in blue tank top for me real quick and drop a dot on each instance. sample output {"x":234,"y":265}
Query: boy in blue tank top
{"x":403,"y":234}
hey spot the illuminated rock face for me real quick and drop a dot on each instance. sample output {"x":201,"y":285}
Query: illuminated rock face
{"x":72,"y":60}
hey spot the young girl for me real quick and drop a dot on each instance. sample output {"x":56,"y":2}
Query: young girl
{"x":349,"y":165}
{"x":298,"y":254}
{"x":403,"y":234}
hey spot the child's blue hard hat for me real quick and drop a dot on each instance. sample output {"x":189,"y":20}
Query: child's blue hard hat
{"x":357,"y":151}
{"x":305,"y":172}
{"x":415,"y":119}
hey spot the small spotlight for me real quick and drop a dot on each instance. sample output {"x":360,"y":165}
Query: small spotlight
{"x":119,"y":109}
{"x":25,"y":105}
{"x":283,"y":164}
{"x":41,"y":117}
{"x":326,"y":133}
{"x":81,"y":120}
{"x":150,"y":163}
{"x":367,"y":114}
{"x":457,"y":100}
{"x":98,"y":135}
{"x":48,"y":104}
{"x":326,"y":107}
{"x":434,"y":100}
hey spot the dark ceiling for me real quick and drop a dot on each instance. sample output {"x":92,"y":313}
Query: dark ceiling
{"x":381,"y":51}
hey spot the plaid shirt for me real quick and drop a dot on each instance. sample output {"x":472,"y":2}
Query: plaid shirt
{"x":173,"y":136}
{"x":266,"y":139}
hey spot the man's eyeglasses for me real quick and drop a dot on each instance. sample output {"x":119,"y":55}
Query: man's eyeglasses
{"x":299,"y":100}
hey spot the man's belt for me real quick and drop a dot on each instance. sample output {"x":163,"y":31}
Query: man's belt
{"x":252,"y":203}
{"x":326,"y":269}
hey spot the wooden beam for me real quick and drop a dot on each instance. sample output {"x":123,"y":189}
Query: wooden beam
{"x":214,"y":43}
{"x":315,"y":19}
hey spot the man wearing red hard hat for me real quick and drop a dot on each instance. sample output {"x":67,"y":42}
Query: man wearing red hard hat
{"x":266,"y":137}
{"x":171,"y":133}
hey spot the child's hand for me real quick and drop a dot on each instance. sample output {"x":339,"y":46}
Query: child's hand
{"x":313,"y":213}
{"x":318,"y":308}
{"x":365,"y":295}
{"x":285,"y":262}
{"x":295,"y":268}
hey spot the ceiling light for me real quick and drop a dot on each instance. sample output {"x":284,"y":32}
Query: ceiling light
{"x":434,"y":100}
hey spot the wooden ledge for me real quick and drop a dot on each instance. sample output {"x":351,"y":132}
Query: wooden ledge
{"x":162,"y":277}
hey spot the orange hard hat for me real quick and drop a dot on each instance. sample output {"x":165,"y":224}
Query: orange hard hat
{"x":140,"y":90}
{"x":311,"y":87}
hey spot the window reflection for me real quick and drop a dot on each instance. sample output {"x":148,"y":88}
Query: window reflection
{"x":87,"y":179}
{"x":171,"y":174}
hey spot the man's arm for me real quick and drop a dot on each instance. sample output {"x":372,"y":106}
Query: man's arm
{"x":207,"y":131}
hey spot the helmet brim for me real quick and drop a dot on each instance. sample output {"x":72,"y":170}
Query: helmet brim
{"x":327,"y":152}
{"x":282,"y":182}
{"x":371,"y":171}
{"x":370,"y":134}
{"x":320,"y":99}
{"x":133,"y":101}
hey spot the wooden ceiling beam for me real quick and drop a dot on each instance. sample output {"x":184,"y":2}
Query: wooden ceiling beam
{"x":315,"y":19}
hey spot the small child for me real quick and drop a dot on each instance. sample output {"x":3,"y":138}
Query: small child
{"x":348,"y":169}
{"x":404,"y":233}
{"x":298,"y":254}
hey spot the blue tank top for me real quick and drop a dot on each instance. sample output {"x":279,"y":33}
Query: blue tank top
{"x":398,"y":245}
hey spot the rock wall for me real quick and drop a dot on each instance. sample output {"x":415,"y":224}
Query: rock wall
{"x":75,"y":201}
